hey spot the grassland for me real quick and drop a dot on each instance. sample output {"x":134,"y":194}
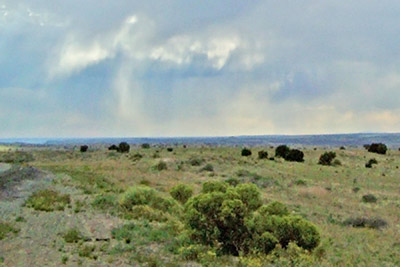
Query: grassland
{"x":325,"y":195}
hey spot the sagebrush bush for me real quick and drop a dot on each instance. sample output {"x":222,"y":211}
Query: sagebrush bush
{"x":214,"y":186}
{"x":181,"y":193}
{"x":72,"y":235}
{"x":161,"y":166}
{"x":327,"y":158}
{"x":6,"y":228}
{"x":143,"y":195}
{"x":370,"y":163}
{"x":147,"y":213}
{"x":377,"y":148}
{"x":246,"y":152}
{"x":48,"y":200}
{"x":361,"y":222}
{"x":275,"y":208}
{"x":208,"y":168}
{"x":196,"y":161}
{"x":234,"y":218}
{"x":369,"y":198}
{"x":262,"y":154}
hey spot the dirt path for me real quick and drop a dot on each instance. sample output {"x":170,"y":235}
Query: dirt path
{"x":39,"y":241}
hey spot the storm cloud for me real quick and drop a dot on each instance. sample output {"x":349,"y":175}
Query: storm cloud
{"x":180,"y":68}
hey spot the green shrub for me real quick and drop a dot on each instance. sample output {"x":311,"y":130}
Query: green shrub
{"x":87,"y":251}
{"x":72,"y":235}
{"x":327,"y":158}
{"x":209,"y":168}
{"x":83,"y":148}
{"x":274,"y":208}
{"x":113,"y":147}
{"x":196,"y":161}
{"x":181,"y":193}
{"x":143,"y":195}
{"x":246,"y":152}
{"x":137,"y":195}
{"x":363,"y":222}
{"x":377,"y":148}
{"x":262,"y":154}
{"x":232,"y":181}
{"x":16,"y":157}
{"x":233,"y":219}
{"x":105,"y":202}
{"x":161,"y":166}
{"x":147,"y":213}
{"x":170,"y":149}
{"x":214,"y":186}
{"x":48,"y":200}
{"x":336,"y":162}
{"x":145,"y":146}
{"x":370,"y":163}
{"x":295,"y":155}
{"x":124,"y":147}
{"x":282,"y":151}
{"x":369,"y":198}
{"x":6,"y":228}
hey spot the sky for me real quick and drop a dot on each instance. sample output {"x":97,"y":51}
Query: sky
{"x":126,"y":68}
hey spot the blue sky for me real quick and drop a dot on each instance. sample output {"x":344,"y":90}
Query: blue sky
{"x":193,"y":68}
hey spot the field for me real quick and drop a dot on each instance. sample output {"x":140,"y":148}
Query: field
{"x":88,"y":230}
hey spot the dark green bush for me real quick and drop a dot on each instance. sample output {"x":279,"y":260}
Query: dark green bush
{"x":6,"y":228}
{"x":145,"y":146}
{"x":363,"y":222}
{"x":214,"y":186}
{"x":161,"y":166}
{"x":246,"y":152}
{"x":84,"y":148}
{"x":327,"y":158}
{"x":170,"y":149}
{"x":124,"y":147}
{"x":143,"y":195}
{"x":208,"y":168}
{"x":196,"y":161}
{"x":72,"y":235}
{"x":181,"y":193}
{"x":274,"y":208}
{"x":113,"y":147}
{"x":282,"y":151}
{"x":232,"y":181}
{"x":295,"y":155}
{"x":378,"y":148}
{"x":369,"y":198}
{"x":16,"y":157}
{"x":262,"y":154}
{"x":234,"y":219}
{"x":370,"y":163}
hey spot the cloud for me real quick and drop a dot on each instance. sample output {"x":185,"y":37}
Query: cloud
{"x":207,"y":68}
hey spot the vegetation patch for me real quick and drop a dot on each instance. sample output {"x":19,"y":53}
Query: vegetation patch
{"x":364,"y":222}
{"x":72,"y":235}
{"x":48,"y":200}
{"x":7,"y":228}
{"x":327,"y":158}
{"x":235,"y":218}
{"x":181,"y":193}
{"x":369,"y":198}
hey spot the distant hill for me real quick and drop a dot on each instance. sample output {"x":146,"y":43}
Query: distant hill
{"x":359,"y":139}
